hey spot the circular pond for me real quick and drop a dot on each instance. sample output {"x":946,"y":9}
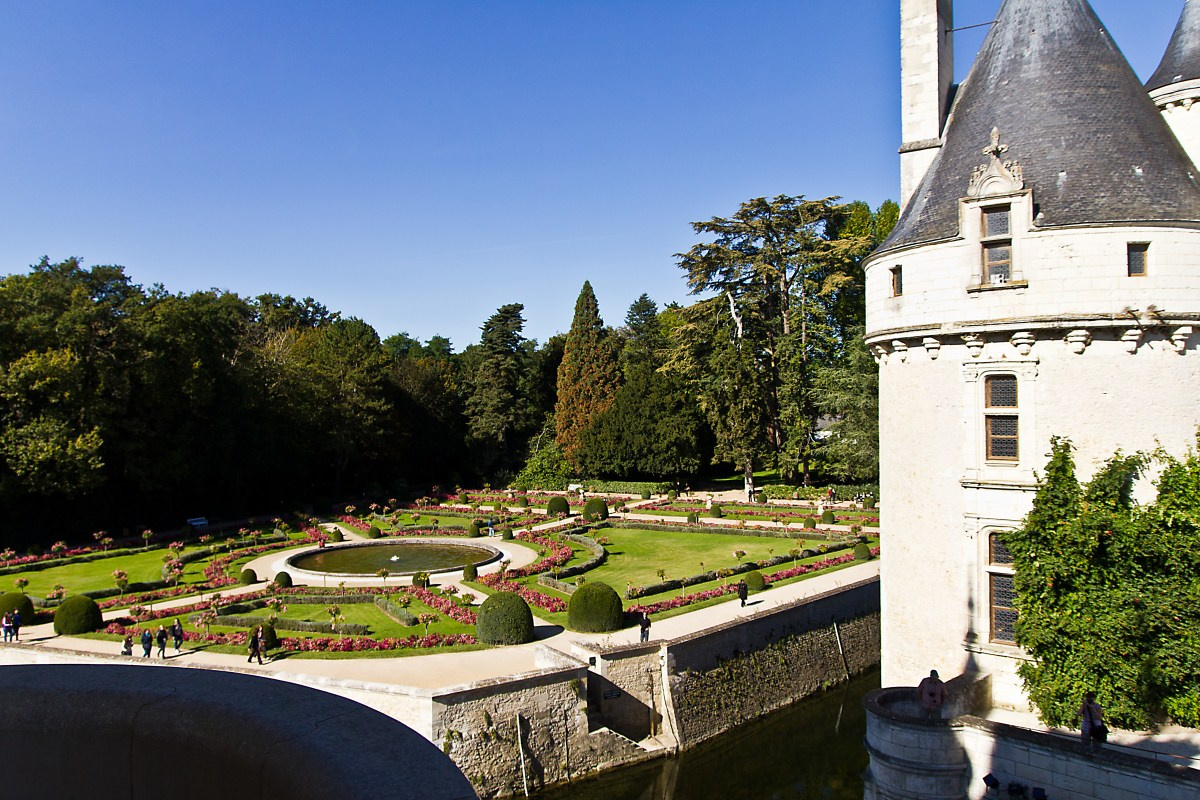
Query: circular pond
{"x":398,"y":558}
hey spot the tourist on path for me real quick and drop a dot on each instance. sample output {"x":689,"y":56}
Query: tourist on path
{"x":743,"y":592}
{"x":177,"y":634}
{"x":127,"y":645}
{"x":255,"y":645}
{"x":6,"y":622}
{"x":147,"y":642}
{"x":644,"y":624}
{"x":931,"y":693}
{"x":1092,"y":731}
{"x":16,"y":625}
{"x":161,"y":639}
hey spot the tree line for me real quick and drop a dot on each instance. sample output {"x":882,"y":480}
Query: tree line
{"x":127,"y":406}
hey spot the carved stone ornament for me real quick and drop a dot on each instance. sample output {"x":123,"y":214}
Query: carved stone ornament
{"x":1180,"y":338}
{"x":1078,"y":340}
{"x":880,"y":352}
{"x":1132,"y":339}
{"x":974,"y":343}
{"x":900,"y":349}
{"x":933,"y":346}
{"x":996,"y":176}
{"x":1023,"y":341}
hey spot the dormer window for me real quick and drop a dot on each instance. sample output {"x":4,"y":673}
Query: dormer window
{"x":996,"y":241}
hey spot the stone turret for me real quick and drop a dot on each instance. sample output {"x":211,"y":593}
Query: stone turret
{"x":1175,"y":85}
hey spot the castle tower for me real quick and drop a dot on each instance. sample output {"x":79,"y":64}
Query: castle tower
{"x":1175,"y":85}
{"x":1043,"y":279}
{"x":926,"y":77}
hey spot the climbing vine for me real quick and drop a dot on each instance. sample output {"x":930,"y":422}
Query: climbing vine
{"x":1108,"y":595}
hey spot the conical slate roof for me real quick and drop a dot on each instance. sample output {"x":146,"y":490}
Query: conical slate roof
{"x":1093,"y":147}
{"x":1181,"y":62}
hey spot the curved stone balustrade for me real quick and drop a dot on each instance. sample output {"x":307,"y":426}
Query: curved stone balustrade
{"x":115,"y":731}
{"x":911,"y":758}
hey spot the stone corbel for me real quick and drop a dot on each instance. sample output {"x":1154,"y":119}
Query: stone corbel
{"x":1023,"y":341}
{"x":933,"y":346}
{"x":1132,"y":339}
{"x":974,"y":343}
{"x":880,"y":352}
{"x":900,"y":349}
{"x":1078,"y":340}
{"x":1180,"y":338}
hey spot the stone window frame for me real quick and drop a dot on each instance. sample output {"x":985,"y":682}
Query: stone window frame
{"x":991,"y":241}
{"x":978,"y":467}
{"x":897,"y":280}
{"x":992,"y":413}
{"x":994,"y":570}
{"x":1143,"y":250}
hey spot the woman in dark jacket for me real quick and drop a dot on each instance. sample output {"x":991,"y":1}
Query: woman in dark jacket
{"x":147,"y":642}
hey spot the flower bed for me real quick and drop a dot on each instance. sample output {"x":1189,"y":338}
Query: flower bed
{"x":741,"y":510}
{"x":315,"y":644}
{"x":545,"y":601}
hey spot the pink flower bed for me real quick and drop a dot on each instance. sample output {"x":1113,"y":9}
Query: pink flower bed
{"x":453,"y":610}
{"x":548,"y":602}
{"x":559,"y":554}
{"x":319,"y":644}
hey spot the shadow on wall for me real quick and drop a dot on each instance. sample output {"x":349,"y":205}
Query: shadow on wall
{"x":110,"y":731}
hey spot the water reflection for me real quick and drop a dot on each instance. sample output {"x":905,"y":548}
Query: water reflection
{"x":812,"y":750}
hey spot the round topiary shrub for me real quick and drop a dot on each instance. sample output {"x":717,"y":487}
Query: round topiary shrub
{"x":693,"y":517}
{"x":473,"y":529}
{"x":373,"y":532}
{"x":558,"y":505}
{"x":809,"y":522}
{"x":760,"y":497}
{"x":595,"y":608}
{"x":595,"y":508}
{"x":421,"y":579}
{"x":862,"y":552}
{"x":827,"y":516}
{"x":523,"y":501}
{"x":17,"y":601}
{"x":270,"y":638}
{"x":499,"y":508}
{"x":77,"y":614}
{"x":754,"y":581}
{"x":715,"y":511}
{"x":463,"y":499}
{"x":504,"y":618}
{"x":506,"y":534}
{"x":470,"y":572}
{"x":283,"y":580}
{"x":869,"y":505}
{"x":672,"y":495}
{"x":645,"y":494}
{"x":247,"y":577}
{"x":336,"y":535}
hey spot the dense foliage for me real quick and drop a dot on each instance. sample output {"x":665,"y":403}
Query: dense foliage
{"x":1108,"y":598}
{"x":587,"y":376}
{"x":504,"y":618}
{"x":77,"y":614}
{"x":595,"y":608}
{"x":596,"y":508}
{"x":17,"y":601}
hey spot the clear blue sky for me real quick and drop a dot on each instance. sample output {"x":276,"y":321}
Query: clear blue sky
{"x":419,"y":164}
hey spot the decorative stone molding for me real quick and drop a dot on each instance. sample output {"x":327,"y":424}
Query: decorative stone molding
{"x":974,"y":343}
{"x":880,"y":352}
{"x":1023,"y":341}
{"x":996,"y":176}
{"x":1132,"y":339}
{"x":933,"y":346}
{"x":1179,"y":339}
{"x":1078,"y":340}
{"x":900,"y":349}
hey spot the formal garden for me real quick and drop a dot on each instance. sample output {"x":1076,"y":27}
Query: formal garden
{"x":684,"y":560}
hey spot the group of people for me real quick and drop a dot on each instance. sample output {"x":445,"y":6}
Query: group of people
{"x":11,"y":621}
{"x":159,"y":637}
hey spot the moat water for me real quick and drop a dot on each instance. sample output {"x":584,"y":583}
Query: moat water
{"x":812,"y":750}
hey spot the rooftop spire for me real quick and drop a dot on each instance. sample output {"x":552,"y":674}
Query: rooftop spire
{"x":1181,"y":62}
{"x":1089,"y":141}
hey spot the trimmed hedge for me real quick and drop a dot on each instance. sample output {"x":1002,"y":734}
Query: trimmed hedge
{"x":247,"y":577}
{"x":827,"y":517}
{"x":77,"y":614}
{"x":595,"y":608}
{"x":470,"y":572}
{"x":17,"y":601}
{"x":336,"y":535}
{"x":373,"y":532}
{"x":596,"y":508}
{"x":504,"y":618}
{"x":397,"y":613}
{"x":862,"y":552}
{"x":754,"y":581}
{"x":558,"y":505}
{"x":283,"y":580}
{"x":715,"y":511}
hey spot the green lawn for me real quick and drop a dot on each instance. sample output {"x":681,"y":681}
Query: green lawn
{"x":142,"y":568}
{"x":381,"y":625}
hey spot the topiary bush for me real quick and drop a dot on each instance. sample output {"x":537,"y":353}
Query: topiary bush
{"x":247,"y":577}
{"x":595,"y":508}
{"x":270,"y":638}
{"x":827,"y":516}
{"x":77,"y":614}
{"x":373,"y":532}
{"x":672,"y":495}
{"x":473,"y":530}
{"x":17,"y":601}
{"x":595,"y":608}
{"x":523,"y":501}
{"x":645,"y":494}
{"x":693,"y":517}
{"x":470,"y":572}
{"x":558,"y":505}
{"x":715,"y":511}
{"x":809,"y":522}
{"x":504,"y":618}
{"x":283,"y":580}
{"x":760,"y":497}
{"x":499,"y":508}
{"x":754,"y":581}
{"x":421,"y":579}
{"x":336,"y":535}
{"x":862,"y":552}
{"x":506,"y":534}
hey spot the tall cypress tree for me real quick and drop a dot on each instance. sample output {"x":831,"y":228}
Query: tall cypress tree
{"x":587,"y":377}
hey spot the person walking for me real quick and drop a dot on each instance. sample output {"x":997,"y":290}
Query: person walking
{"x":743,"y":592}
{"x":931,"y":693}
{"x":644,"y":624}
{"x":16,"y":625}
{"x":160,"y":639}
{"x":1092,"y":730}
{"x":177,"y":634}
{"x":127,"y":645}
{"x":147,"y":642}
{"x":6,"y":623}
{"x":255,"y":645}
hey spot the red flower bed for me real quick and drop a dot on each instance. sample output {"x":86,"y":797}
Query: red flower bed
{"x":310,"y":644}
{"x":546,"y":601}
